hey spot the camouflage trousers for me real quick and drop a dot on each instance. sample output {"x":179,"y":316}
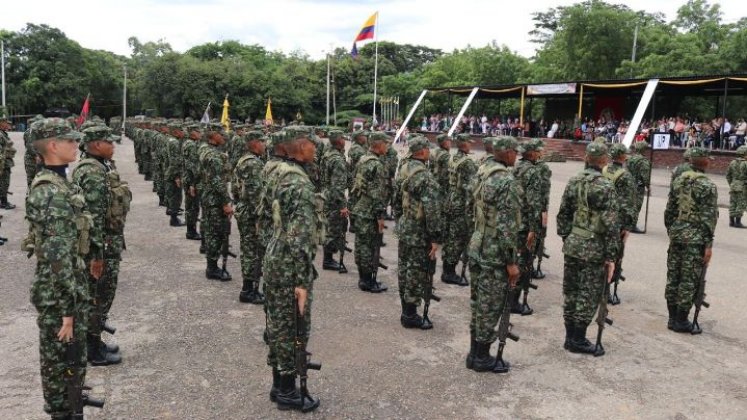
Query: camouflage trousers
{"x":526,"y":261}
{"x":412,"y":272}
{"x":337,"y":226}
{"x":737,"y":203}
{"x":191,"y":208}
{"x":4,"y":181}
{"x":213,"y":227}
{"x":487,"y":297}
{"x":173,"y":195}
{"x":29,"y":164}
{"x":684,"y":266}
{"x":156,"y":176}
{"x":459,"y":232}
{"x":366,"y":231}
{"x":252,"y":250}
{"x":583,"y":284}
{"x":146,"y":165}
{"x":52,"y":358}
{"x":640,"y":195}
{"x":162,"y":184}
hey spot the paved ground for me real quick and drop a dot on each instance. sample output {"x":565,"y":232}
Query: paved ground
{"x":191,"y":350}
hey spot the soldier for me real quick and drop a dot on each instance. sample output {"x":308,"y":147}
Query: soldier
{"x":289,"y":266}
{"x":640,"y":168}
{"x":391,"y":162}
{"x":625,"y":192}
{"x":174,"y":166}
{"x":493,"y":262}
{"x":736,"y":175}
{"x":108,"y":200}
{"x":369,"y":194}
{"x":439,"y":164}
{"x":190,"y":177}
{"x":535,"y":187}
{"x":334,"y":183}
{"x":146,"y":151}
{"x":217,"y":209}
{"x":31,"y":160}
{"x":7,"y":153}
{"x":249,"y":184}
{"x":58,"y":228}
{"x":417,"y":205}
{"x":356,"y":151}
{"x":682,"y":167}
{"x":156,"y":161}
{"x":588,"y":223}
{"x":690,"y":218}
{"x":458,"y":219}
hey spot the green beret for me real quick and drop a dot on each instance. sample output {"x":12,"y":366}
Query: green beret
{"x":699,"y":152}
{"x":442,"y":138}
{"x":378,"y":136}
{"x":464,"y":138}
{"x":596,"y":149}
{"x":193,"y":127}
{"x":98,"y":133}
{"x":506,"y":143}
{"x":533,"y":145}
{"x":617,"y":150}
{"x":335,"y":134}
{"x":741,"y":150}
{"x":55,"y":127}
{"x":417,"y":144}
{"x":216,"y":128}
{"x":600,"y":140}
{"x":254,"y":135}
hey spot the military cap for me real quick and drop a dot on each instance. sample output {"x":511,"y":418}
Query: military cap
{"x":600,"y":140}
{"x":640,"y":146}
{"x":377,"y":136}
{"x":741,"y":150}
{"x":363,"y":133}
{"x":489,"y":141}
{"x":89,"y":124}
{"x":97,"y":133}
{"x":216,"y":128}
{"x":322,"y":131}
{"x":464,"y":138}
{"x":291,"y":133}
{"x":417,"y":144}
{"x":506,"y":143}
{"x":57,"y":128}
{"x":193,"y":127}
{"x":254,"y":135}
{"x":700,"y":152}
{"x":596,"y":149}
{"x":335,"y":134}
{"x":442,"y":138}
{"x":175,"y":126}
{"x":617,"y":150}
{"x":533,"y":145}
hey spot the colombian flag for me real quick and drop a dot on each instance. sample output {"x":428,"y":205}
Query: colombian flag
{"x":367,"y":32}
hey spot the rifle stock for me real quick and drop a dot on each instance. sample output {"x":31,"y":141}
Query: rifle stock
{"x":74,"y":383}
{"x":505,"y":330}
{"x":429,"y":295}
{"x":539,"y":252}
{"x":602,"y":316}
{"x":303,"y":357}
{"x":700,"y":301}
{"x":225,"y":247}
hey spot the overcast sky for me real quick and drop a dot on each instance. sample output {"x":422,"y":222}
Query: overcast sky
{"x":307,"y":25}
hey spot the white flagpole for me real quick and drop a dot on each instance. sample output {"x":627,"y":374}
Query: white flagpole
{"x":328,"y":58}
{"x":2,"y":52}
{"x":376,"y":65}
{"x":124,"y":98}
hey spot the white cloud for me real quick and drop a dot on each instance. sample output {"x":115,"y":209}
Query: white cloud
{"x":308,"y":25}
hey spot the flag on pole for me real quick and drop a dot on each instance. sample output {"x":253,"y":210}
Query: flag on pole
{"x":268,"y":112}
{"x":206,"y":115}
{"x":84,"y":111}
{"x":367,"y":31}
{"x":224,"y":120}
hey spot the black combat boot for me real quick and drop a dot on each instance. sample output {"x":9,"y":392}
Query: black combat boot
{"x":516,"y":307}
{"x":375,"y":286}
{"x":363,"y":281}
{"x":410,"y":317}
{"x":579,"y":343}
{"x":732,"y":221}
{"x":109,"y":348}
{"x":681,"y":323}
{"x":482,"y":361}
{"x":329,"y":263}
{"x":202,"y":244}
{"x":161,"y":201}
{"x":175,"y":221}
{"x":568,"y":335}
{"x":246,"y":294}
{"x":275,"y":385}
{"x":289,"y":397}
{"x":192,"y":233}
{"x":449,"y":275}
{"x":471,"y":356}
{"x":5,"y":204}
{"x":90,"y":401}
{"x":215,"y":273}
{"x":259,"y":297}
{"x":98,"y":357}
{"x":672,"y":314}
{"x":737,"y":222}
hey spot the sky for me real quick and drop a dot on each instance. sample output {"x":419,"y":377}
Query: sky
{"x":311,"y":26}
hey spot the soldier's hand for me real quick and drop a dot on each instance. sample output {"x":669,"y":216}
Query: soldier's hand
{"x":707,"y":256}
{"x":530,"y":240}
{"x":345,"y":212}
{"x":66,"y":332}
{"x":301,"y":295}
{"x":513,"y":274}
{"x":544,"y":219}
{"x":178,"y":182}
{"x":624,"y":235}
{"x":434,"y":251}
{"x":610,"y":270}
{"x":380,"y":225}
{"x":97,"y":268}
{"x":227,"y":209}
{"x":192,"y":191}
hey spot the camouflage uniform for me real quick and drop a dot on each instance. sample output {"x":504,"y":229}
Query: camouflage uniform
{"x":391,"y":162}
{"x":173,"y":167}
{"x":58,"y":224}
{"x":334,"y":173}
{"x":690,"y":218}
{"x":417,"y":209}
{"x":439,"y":164}
{"x":156,"y":161}
{"x":640,"y":168}
{"x":29,"y":156}
{"x":588,"y":223}
{"x":356,"y":151}
{"x":190,"y":176}
{"x":682,"y":167}
{"x":736,"y":175}
{"x":146,"y":154}
{"x":7,"y":153}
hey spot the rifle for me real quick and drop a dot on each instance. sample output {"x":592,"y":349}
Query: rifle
{"x":429,"y":295}
{"x":700,"y":301}
{"x":617,"y":276}
{"x":377,"y":255}
{"x":74,"y":383}
{"x":602,"y":316}
{"x":504,"y":331}
{"x":343,"y":269}
{"x":97,"y":314}
{"x":648,"y":191}
{"x":225,"y":250}
{"x":465,"y":261}
{"x":303,"y":357}
{"x":539,"y":252}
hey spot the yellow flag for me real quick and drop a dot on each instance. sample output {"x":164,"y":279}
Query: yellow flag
{"x":268,"y":113}
{"x":224,"y":120}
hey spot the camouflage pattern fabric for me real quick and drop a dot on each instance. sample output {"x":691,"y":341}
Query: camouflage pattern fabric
{"x":736,"y":176}
{"x":174,"y":165}
{"x":334,"y":184}
{"x":249,"y":182}
{"x":369,"y":195}
{"x":7,"y":153}
{"x":214,"y":176}
{"x":535,"y":186}
{"x":190,"y":175}
{"x":640,"y":169}
{"x":625,"y":193}
{"x":458,"y":210}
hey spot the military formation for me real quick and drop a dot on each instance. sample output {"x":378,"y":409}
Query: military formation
{"x":295,"y":188}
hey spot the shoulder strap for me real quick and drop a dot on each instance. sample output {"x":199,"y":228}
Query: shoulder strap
{"x":612,"y":176}
{"x":49,"y":179}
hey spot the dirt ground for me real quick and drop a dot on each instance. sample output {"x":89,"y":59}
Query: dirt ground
{"x":192,"y":351}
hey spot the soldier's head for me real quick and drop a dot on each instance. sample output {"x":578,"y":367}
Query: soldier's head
{"x":98,"y":141}
{"x":4,"y":124}
{"x":700,"y":158}
{"x":378,"y":142}
{"x":216,"y":134}
{"x":298,"y":144}
{"x":55,"y":141}
{"x":444,"y":141}
{"x":488,"y":143}
{"x":741,"y":151}
{"x":337,"y":139}
{"x":639,"y":147}
{"x":533,"y":150}
{"x":195,"y":132}
{"x":596,"y":155}
{"x":175,"y":129}
{"x":464,"y":142}
{"x":255,"y":142}
{"x":360,"y":137}
{"x":618,"y":153}
{"x":419,"y":148}
{"x":505,"y":150}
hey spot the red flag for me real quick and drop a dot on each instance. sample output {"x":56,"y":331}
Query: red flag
{"x":84,"y":112}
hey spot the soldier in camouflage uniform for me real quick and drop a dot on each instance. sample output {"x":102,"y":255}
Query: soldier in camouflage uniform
{"x":289,"y":266}
{"x":391,"y":162}
{"x":58,"y":236}
{"x":493,"y":262}
{"x":736,"y":176}
{"x":334,"y":183}
{"x":216,"y":201}
{"x":107,"y":199}
{"x":30,"y":158}
{"x":640,"y":168}
{"x":146,"y":151}
{"x":535,"y":188}
{"x":417,"y":209}
{"x":156,"y":160}
{"x":7,"y":153}
{"x":174,"y":166}
{"x":625,"y":192}
{"x":588,"y":223}
{"x":249,"y":184}
{"x":190,"y":177}
{"x":690,"y":218}
{"x":439,"y":164}
{"x":458,"y":211}
{"x":682,"y":167}
{"x":369,"y":194}
{"x":357,"y":150}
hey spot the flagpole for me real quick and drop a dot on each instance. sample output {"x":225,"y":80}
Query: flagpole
{"x":328,"y":58}
{"x":124,"y":98}
{"x":2,"y":52}
{"x":376,"y":66}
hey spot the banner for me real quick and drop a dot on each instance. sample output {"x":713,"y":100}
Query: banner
{"x":554,"y":89}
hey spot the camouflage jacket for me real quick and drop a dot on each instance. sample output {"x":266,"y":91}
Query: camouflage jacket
{"x":7,"y":149}
{"x":587,"y":220}
{"x":249,"y":184}
{"x":214,"y":177}
{"x":440,"y":158}
{"x":536,"y":188}
{"x":370,"y":188}
{"x":355,"y":153}
{"x":736,"y":174}
{"x":334,"y":180}
{"x":264,"y":205}
{"x":91,"y":176}
{"x":497,"y":218}
{"x":625,"y":192}
{"x":679,"y":170}
{"x":417,"y":205}
{"x":191,"y":159}
{"x":692,"y":209}
{"x":462,"y":170}
{"x":174,"y":158}
{"x":640,"y":168}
